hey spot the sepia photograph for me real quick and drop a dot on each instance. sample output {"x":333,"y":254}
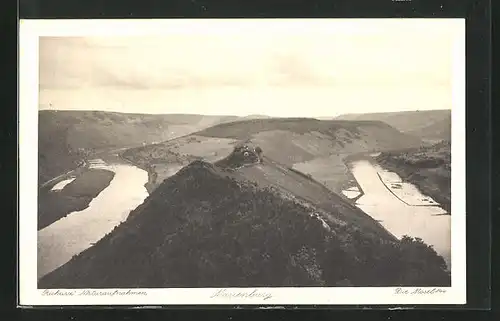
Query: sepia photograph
{"x":248,"y":159}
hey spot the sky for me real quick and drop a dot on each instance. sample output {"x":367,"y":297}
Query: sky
{"x":300,"y":69}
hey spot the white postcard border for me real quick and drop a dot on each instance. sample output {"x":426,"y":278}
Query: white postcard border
{"x":29,"y":295}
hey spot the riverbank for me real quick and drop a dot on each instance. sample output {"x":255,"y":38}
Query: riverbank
{"x":74,"y":172}
{"x":427,"y":168}
{"x":152,"y":183}
{"x":81,"y":229}
{"x":398,"y":216}
{"x":76,"y":196}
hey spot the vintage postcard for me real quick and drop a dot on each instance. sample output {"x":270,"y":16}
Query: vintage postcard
{"x":252,"y":161}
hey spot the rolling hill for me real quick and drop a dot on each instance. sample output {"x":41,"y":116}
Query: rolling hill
{"x":65,"y":137}
{"x":212,"y":226}
{"x":311,"y":146}
{"x":426,"y":124}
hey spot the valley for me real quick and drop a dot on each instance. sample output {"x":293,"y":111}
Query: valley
{"x":204,"y":228}
{"x":67,"y":137}
{"x":311,"y":146}
{"x":169,"y":200}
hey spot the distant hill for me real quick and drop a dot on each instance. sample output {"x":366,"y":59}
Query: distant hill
{"x":255,"y":116}
{"x":292,"y":140}
{"x":313,"y":146}
{"x":426,"y":124}
{"x":65,"y":137}
{"x":438,"y":130}
{"x":205,"y":227}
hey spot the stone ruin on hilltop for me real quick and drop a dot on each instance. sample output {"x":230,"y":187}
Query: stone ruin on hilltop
{"x":244,"y":154}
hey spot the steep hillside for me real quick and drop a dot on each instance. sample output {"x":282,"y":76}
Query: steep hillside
{"x":65,"y":137}
{"x":305,"y":188}
{"x":438,"y":130}
{"x":428,"y":168}
{"x":205,"y":228}
{"x":428,"y":124}
{"x":310,"y":145}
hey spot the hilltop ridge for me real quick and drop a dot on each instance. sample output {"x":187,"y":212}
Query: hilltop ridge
{"x":242,"y":129}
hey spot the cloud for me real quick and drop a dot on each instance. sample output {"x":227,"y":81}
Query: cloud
{"x":214,"y":61}
{"x":75,"y":63}
{"x":292,"y":70}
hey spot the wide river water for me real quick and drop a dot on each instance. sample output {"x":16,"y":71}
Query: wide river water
{"x":60,"y":241}
{"x":401,"y":208}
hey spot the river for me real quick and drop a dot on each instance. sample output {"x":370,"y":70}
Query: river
{"x":401,"y":208}
{"x":60,"y":241}
{"x":398,"y":206}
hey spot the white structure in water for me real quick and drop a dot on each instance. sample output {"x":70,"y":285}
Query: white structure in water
{"x":97,"y":163}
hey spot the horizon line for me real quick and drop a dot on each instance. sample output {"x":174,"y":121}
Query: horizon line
{"x":242,"y":116}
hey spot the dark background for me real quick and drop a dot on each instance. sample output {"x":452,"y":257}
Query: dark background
{"x":246,"y":8}
{"x":479,"y":134}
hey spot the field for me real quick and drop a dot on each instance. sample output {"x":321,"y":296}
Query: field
{"x":204,"y":228}
{"x":428,"y":168}
{"x":76,"y":196}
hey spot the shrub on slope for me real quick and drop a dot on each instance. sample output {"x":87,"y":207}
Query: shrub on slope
{"x":200,"y":228}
